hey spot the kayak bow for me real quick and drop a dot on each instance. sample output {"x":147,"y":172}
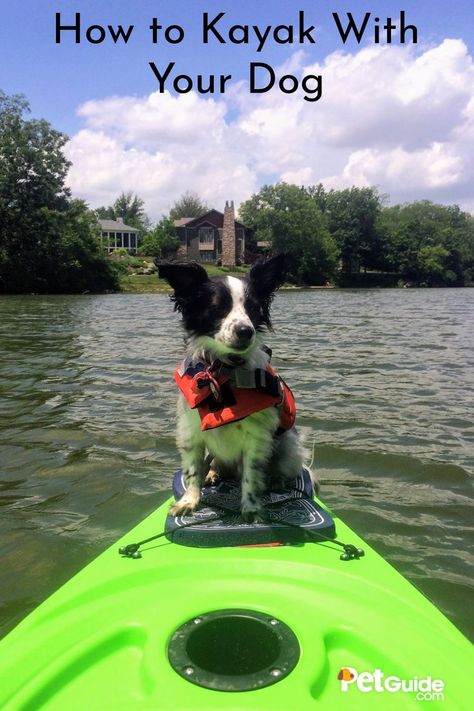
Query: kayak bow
{"x":272,"y":624}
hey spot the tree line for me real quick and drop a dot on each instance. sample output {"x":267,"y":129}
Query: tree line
{"x":351,"y":237}
{"x":50,"y":242}
{"x":346,"y":237}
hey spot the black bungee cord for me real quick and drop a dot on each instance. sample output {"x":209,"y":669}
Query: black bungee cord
{"x":351,"y":552}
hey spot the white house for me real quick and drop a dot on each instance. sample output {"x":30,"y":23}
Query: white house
{"x":116,"y":234}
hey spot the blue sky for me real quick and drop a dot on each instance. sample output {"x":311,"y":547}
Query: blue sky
{"x":341,"y":142}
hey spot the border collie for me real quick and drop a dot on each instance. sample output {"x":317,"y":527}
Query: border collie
{"x":224,"y":319}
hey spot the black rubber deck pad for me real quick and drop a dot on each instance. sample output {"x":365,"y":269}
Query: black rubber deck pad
{"x":291,"y":516}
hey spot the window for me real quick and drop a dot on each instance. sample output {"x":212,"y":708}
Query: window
{"x":206,"y":235}
{"x":207,"y":257}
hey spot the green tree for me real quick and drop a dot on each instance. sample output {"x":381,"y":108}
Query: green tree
{"x":352,"y":216}
{"x":162,"y":241}
{"x":105,"y":213}
{"x":429,"y":244}
{"x":130,"y":208}
{"x":69,"y":257}
{"x":288,"y":217}
{"x":189,"y":205}
{"x":45,"y":238}
{"x":431,"y":266}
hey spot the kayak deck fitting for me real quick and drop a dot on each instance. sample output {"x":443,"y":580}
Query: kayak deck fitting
{"x":276,"y":624}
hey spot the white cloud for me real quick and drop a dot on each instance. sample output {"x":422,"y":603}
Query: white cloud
{"x":158,"y":147}
{"x":399,"y":118}
{"x":435,"y":167}
{"x":158,"y":119}
{"x":300,"y":176}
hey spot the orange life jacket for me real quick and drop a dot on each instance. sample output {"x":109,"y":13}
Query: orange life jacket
{"x":223,"y":394}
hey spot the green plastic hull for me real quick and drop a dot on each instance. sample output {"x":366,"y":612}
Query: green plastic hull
{"x":100,"y":642}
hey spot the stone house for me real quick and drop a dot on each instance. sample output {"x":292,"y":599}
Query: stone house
{"x":115,"y":235}
{"x":214,"y":238}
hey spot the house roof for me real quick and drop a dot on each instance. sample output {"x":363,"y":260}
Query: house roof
{"x":207,"y":218}
{"x":182,"y":221}
{"x":115,"y":226}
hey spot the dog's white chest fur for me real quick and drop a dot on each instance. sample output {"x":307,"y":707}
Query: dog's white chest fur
{"x":230,"y":442}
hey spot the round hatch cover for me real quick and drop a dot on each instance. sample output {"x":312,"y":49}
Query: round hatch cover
{"x":233,"y":650}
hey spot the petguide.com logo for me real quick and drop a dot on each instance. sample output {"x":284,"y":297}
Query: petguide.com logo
{"x":425,"y":688}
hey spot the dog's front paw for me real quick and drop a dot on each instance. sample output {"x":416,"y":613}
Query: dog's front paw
{"x":252,"y":513}
{"x":186,"y":505}
{"x":212,"y":478}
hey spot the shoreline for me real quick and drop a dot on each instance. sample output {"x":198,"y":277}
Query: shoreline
{"x":150,"y":284}
{"x":166,"y":290}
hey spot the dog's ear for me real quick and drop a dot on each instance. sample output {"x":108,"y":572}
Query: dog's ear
{"x":184,"y":278}
{"x":268,"y":275}
{"x":264,"y":279}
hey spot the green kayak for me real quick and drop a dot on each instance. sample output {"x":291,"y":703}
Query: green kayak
{"x":181,"y":623}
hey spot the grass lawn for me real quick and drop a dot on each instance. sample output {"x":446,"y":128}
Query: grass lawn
{"x":150,"y":284}
{"x":143,"y":284}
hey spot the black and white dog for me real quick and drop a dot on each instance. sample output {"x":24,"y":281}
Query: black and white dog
{"x":224,"y":319}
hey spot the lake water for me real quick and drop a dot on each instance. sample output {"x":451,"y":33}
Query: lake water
{"x":384,"y":382}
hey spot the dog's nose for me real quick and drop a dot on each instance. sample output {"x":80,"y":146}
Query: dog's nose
{"x":244,"y":332}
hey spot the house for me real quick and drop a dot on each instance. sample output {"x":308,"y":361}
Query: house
{"x":214,"y":238}
{"x":115,"y":234}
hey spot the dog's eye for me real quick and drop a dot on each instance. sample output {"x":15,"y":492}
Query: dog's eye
{"x":221,"y":304}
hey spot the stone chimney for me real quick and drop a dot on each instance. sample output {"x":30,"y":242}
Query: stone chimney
{"x":228,"y":236}
{"x":120,"y":220}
